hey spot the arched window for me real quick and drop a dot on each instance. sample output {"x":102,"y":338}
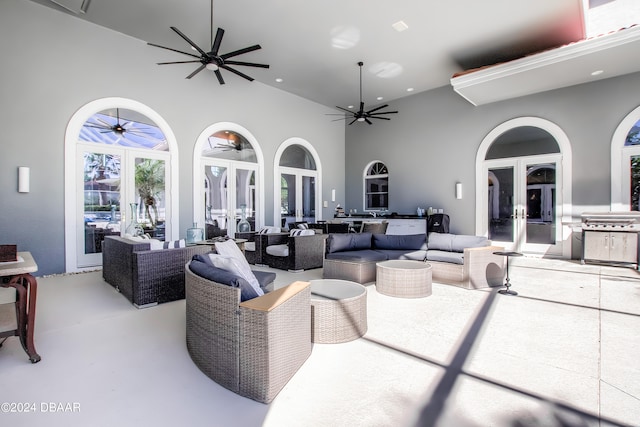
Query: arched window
{"x":227,"y":184}
{"x":625,"y":164}
{"x":376,"y":187}
{"x":298,"y":171}
{"x":120,"y":151}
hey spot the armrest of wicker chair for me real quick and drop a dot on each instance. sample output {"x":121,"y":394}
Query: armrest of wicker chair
{"x":275,"y":340}
{"x":251,"y":348}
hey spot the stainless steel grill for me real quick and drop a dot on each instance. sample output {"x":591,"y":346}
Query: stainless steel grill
{"x":612,"y":221}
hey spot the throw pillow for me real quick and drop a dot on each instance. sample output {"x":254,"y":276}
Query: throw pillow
{"x":305,"y":232}
{"x":230,"y":249}
{"x":303,"y":226}
{"x":175,"y":244}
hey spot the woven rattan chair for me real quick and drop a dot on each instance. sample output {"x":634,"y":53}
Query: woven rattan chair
{"x":146,"y":277}
{"x":252,"y":348}
{"x":303,"y":252}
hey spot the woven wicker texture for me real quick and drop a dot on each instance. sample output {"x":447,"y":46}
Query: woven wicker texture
{"x":338,"y":311}
{"x":354,"y":271}
{"x":251,"y":352}
{"x":305,"y":252}
{"x":146,"y":276}
{"x":404,"y":279}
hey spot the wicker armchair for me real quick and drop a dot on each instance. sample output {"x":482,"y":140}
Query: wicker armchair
{"x":252,"y":348}
{"x":302,"y":252}
{"x":146,"y":277}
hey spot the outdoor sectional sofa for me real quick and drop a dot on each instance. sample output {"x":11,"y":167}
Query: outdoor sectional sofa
{"x":460,"y":260}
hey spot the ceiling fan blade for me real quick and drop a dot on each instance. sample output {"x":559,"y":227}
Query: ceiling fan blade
{"x":337,"y":120}
{"x":354,"y":120}
{"x":241,"y":51}
{"x":379,"y":118}
{"x":97,"y":126}
{"x":200,"y":68}
{"x":368,"y":121}
{"x":377,"y":108}
{"x":219,"y":76}
{"x":385,"y":112}
{"x":344,"y":109}
{"x":246,"y":64}
{"x":237,"y":72}
{"x":195,"y":46}
{"x":216,"y":42}
{"x":173,"y":50}
{"x":177,"y":62}
{"x":104,"y":122}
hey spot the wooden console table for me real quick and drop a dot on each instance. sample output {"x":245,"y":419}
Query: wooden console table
{"x":18,"y":275}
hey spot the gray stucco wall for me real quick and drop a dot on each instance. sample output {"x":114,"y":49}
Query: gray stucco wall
{"x":432,"y":144}
{"x":53,"y":64}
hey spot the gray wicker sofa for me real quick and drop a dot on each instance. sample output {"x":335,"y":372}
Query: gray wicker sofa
{"x":253,"y":347}
{"x":460,"y":260}
{"x":146,"y":277}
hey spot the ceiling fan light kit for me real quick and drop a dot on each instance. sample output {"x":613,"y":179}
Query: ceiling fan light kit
{"x":361,"y":115}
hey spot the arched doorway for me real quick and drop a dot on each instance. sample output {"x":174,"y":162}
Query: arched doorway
{"x":297,"y":183}
{"x":625,"y":164}
{"x":521,"y":202}
{"x":110,"y":144}
{"x":228,"y":182}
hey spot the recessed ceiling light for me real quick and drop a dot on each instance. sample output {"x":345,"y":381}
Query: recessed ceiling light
{"x":350,"y":106}
{"x":400,"y":26}
{"x":597,"y":72}
{"x":409,"y":89}
{"x":279,"y":80}
{"x":379,"y":98}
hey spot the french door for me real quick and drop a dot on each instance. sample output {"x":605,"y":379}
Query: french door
{"x":523,"y":206}
{"x":229,"y":193}
{"x":107,"y":186}
{"x":298,"y":195}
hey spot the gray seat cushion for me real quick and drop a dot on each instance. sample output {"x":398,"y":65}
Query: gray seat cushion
{"x":278,"y":250}
{"x":445,"y":256}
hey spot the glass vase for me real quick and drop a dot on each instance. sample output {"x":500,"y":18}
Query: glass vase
{"x":195,"y":234}
{"x":243,"y":226}
{"x":134,"y":228}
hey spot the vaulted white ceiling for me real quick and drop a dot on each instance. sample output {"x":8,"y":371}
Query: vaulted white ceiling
{"x":314,"y":46}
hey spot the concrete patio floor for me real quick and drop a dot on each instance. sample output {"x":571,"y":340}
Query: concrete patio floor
{"x":564,"y":352}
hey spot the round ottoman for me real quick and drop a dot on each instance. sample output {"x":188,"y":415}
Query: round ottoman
{"x":403,"y":278}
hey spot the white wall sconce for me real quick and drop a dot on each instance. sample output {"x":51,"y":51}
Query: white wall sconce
{"x":23,"y":179}
{"x":458,"y":190}
{"x":333,"y":195}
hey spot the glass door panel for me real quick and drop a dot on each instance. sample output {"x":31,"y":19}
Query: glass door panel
{"x":522,"y":206}
{"x":634,"y":194}
{"x":541,"y":218}
{"x":101,"y":204}
{"x":216,"y":195}
{"x":245,"y":200}
{"x":500,"y":205}
{"x":287,"y":198}
{"x":308,"y":199}
{"x":150,"y":195}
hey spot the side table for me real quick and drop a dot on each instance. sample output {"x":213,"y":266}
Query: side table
{"x":507,"y":283}
{"x":18,"y":275}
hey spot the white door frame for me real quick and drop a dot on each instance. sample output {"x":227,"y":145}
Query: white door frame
{"x":277,"y":172}
{"x":620,"y":157}
{"x":198,"y":171}
{"x":563,"y":191}
{"x":70,"y":172}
